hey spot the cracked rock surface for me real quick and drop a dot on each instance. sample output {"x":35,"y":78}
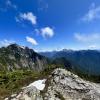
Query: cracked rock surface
{"x":63,"y":85}
{"x":68,"y":86}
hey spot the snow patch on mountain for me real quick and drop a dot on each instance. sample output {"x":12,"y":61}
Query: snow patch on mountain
{"x":39,"y":84}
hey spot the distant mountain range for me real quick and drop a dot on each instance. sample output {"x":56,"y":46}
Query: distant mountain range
{"x":15,"y":57}
{"x":18,"y":57}
{"x":87,"y":61}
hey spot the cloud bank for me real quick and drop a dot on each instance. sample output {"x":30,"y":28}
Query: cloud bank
{"x":87,"y":37}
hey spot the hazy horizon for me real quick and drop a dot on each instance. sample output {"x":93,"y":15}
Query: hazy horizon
{"x":55,"y":50}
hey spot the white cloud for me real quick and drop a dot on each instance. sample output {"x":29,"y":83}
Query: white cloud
{"x":88,"y":41}
{"x":92,"y":14}
{"x":87,"y":37}
{"x":31,"y":40}
{"x":47,"y":32}
{"x":6,"y":42}
{"x":7,"y":4}
{"x":29,"y":17}
{"x":92,"y":46}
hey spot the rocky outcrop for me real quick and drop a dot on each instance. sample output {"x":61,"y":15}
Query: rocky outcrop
{"x":63,"y":85}
{"x":16,"y":57}
{"x":28,"y":93}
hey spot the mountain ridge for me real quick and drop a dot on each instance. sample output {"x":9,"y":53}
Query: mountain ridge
{"x":87,"y":61}
{"x":16,"y":57}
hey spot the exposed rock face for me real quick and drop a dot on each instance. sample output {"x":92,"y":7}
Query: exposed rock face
{"x":68,"y":86}
{"x":17,"y":57}
{"x":63,"y":85}
{"x":28,"y":93}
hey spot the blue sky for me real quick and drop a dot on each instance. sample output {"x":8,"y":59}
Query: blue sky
{"x":50,"y":24}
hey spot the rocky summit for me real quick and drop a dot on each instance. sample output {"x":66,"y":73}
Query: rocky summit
{"x":61,"y":85}
{"x":15,"y":57}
